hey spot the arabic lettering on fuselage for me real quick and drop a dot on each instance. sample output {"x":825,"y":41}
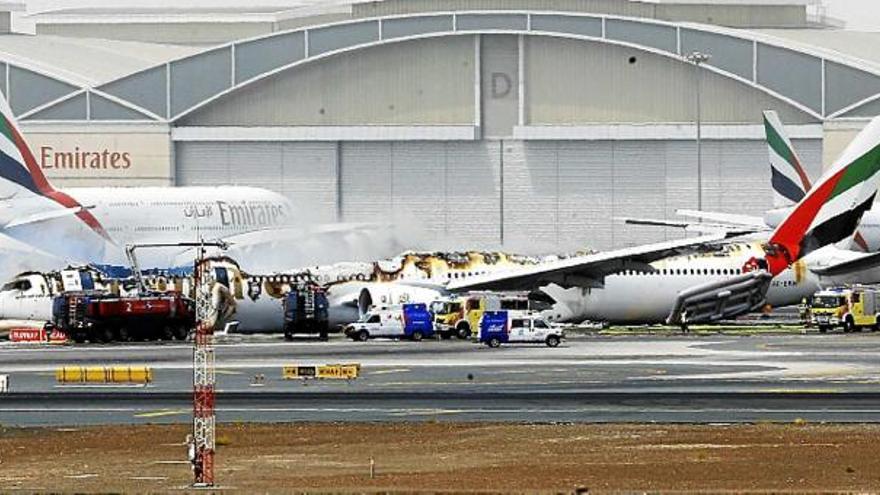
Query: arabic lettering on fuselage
{"x":198,"y":211}
{"x":251,"y":213}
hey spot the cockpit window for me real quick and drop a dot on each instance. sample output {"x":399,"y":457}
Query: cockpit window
{"x":222,"y":276}
{"x":828,"y":301}
{"x":373,"y":319}
{"x":88,"y":283}
{"x":19,"y":285}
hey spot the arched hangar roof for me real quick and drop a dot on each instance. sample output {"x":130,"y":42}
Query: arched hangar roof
{"x":823,"y":83}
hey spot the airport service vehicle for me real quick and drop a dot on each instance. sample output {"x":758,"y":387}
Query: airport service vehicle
{"x":409,"y":321}
{"x":459,"y":315}
{"x":102,"y":318}
{"x":852,"y":308}
{"x":306,"y":312}
{"x":510,"y":327}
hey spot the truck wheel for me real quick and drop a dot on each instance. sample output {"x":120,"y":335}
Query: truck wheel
{"x":823,"y":329}
{"x":180,"y":332}
{"x":463,"y":331}
{"x":417,"y":336}
{"x":288,"y":336}
{"x":552,"y":341}
{"x":104,"y":335}
{"x":849,"y":326}
{"x":123,"y":335}
{"x":323,"y":336}
{"x":494,"y":342}
{"x":362,"y":336}
{"x":166,"y":333}
{"x":78,"y":337}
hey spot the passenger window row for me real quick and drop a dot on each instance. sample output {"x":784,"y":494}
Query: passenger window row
{"x":685,"y":271}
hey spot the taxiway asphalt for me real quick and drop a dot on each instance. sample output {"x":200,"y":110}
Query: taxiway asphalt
{"x":719,"y":378}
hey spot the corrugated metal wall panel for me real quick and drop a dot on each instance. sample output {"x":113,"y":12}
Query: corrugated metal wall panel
{"x":680,"y":180}
{"x":419,"y":189}
{"x":558,"y":195}
{"x":366,"y":182}
{"x":308,"y":176}
{"x":256,"y":164}
{"x":304,"y":172}
{"x":202,"y":164}
{"x":742,"y":166}
{"x":474,"y":198}
{"x":639,"y":172}
{"x":531,"y":195}
{"x":585,"y":188}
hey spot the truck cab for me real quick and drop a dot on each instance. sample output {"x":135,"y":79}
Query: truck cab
{"x":306,"y":312}
{"x":502,"y":327}
{"x":408,"y":321}
{"x":853,"y":308}
{"x":448,"y":313}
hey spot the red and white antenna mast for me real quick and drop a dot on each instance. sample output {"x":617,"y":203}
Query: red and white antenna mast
{"x":203,"y":376}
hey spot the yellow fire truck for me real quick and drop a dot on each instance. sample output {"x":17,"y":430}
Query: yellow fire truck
{"x":460,"y":316}
{"x":853,"y":308}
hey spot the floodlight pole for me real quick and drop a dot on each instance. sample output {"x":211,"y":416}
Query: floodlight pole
{"x":698,"y":58}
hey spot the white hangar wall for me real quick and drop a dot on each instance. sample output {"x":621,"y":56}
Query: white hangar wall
{"x":536,"y":143}
{"x":417,"y":82}
{"x":555,"y":195}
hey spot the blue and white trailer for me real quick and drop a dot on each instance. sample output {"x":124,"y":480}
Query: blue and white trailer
{"x":503,"y":327}
{"x":407,"y":321}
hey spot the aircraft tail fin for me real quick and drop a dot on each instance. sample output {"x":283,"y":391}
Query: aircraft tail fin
{"x":19,"y":170}
{"x":789,"y":179}
{"x":830,"y":211}
{"x":20,"y":175}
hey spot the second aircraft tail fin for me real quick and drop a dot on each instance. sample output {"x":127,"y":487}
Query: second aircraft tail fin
{"x":789,"y":179}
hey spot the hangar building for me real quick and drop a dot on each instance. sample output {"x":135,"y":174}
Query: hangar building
{"x":532,"y":124}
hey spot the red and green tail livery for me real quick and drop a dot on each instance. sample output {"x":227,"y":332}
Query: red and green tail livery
{"x":830,"y":212}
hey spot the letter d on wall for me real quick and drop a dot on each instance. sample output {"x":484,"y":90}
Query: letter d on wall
{"x":501,"y":85}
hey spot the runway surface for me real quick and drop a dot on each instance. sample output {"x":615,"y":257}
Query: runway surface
{"x":588,"y":379}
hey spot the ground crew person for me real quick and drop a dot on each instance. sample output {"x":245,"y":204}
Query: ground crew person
{"x":191,"y":456}
{"x":804,"y":311}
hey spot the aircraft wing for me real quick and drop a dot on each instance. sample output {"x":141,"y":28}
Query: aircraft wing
{"x":581,"y":271}
{"x":44,"y":216}
{"x":696,"y":227}
{"x":726,"y":218}
{"x":861,"y":263}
